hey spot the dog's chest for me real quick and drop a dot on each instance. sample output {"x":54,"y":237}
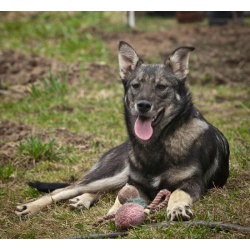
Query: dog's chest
{"x":150,"y":185}
{"x":165,"y":177}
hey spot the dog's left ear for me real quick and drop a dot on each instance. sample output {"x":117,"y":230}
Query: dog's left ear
{"x":128,"y":59}
{"x":178,"y":62}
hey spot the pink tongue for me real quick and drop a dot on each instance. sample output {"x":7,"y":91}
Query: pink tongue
{"x":143,"y":128}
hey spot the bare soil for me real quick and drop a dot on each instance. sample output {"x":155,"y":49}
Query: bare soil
{"x":222,"y":53}
{"x":18,"y":71}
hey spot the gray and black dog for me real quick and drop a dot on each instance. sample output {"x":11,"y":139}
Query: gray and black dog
{"x":170,"y":145}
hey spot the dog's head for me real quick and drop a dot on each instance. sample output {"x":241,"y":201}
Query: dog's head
{"x":153,"y":92}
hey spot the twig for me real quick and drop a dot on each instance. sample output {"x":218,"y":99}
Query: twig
{"x":101,"y":236}
{"x":210,"y":224}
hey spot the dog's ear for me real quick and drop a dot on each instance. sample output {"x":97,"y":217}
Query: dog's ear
{"x":128,"y":59}
{"x":178,"y":62}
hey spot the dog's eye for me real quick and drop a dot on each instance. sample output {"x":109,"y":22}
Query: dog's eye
{"x":161,"y":87}
{"x":136,"y":86}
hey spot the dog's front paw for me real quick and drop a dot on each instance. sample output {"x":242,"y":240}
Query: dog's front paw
{"x":179,"y":213}
{"x":26,"y":209}
{"x":78,"y":203}
{"x":83,"y":201}
{"x":179,"y":206}
{"x":34,"y":206}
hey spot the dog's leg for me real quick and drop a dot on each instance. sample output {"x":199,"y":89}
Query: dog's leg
{"x":115,"y":207}
{"x":179,"y":206}
{"x":117,"y":203}
{"x":35,"y":206}
{"x":101,"y":185}
{"x":84,"y":200}
{"x":109,"y":173}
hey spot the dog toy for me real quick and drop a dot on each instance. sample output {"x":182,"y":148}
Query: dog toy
{"x":134,"y":211}
{"x":129,"y":215}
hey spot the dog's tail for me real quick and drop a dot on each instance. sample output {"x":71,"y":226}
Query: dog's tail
{"x":47,"y":187}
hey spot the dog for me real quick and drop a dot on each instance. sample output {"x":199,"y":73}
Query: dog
{"x":170,"y":144}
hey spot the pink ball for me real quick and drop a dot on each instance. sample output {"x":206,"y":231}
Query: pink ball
{"x":129,"y":215}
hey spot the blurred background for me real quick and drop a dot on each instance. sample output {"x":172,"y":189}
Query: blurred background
{"x":221,"y":40}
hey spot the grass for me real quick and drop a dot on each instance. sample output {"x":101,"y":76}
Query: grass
{"x":51,"y":87}
{"x":70,"y":41}
{"x":36,"y":150}
{"x":6,"y":171}
{"x":91,"y":107}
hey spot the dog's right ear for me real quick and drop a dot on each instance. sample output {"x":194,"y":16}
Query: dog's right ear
{"x":128,"y":59}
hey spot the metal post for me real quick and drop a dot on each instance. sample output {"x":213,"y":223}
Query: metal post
{"x":131,"y":19}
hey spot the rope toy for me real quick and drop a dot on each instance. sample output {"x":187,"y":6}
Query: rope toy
{"x":134,"y":211}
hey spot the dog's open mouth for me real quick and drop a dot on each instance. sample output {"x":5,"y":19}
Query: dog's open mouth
{"x":144,"y":125}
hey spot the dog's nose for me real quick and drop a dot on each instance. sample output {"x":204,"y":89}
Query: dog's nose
{"x":144,"y":106}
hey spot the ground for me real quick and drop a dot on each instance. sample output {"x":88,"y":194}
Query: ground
{"x":60,"y":109}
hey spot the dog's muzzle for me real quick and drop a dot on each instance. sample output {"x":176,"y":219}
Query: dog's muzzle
{"x":143,"y":106}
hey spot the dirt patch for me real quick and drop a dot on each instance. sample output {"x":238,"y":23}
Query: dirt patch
{"x":18,"y":71}
{"x":18,"y":68}
{"x":221,"y":56}
{"x":64,"y":137}
{"x":12,"y":133}
{"x":12,"y":16}
{"x":102,"y":72}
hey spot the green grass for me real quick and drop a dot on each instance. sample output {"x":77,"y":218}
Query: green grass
{"x":92,"y":107}
{"x":63,"y":36}
{"x":51,"y":87}
{"x":40,"y":108}
{"x":6,"y":170}
{"x":36,"y":150}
